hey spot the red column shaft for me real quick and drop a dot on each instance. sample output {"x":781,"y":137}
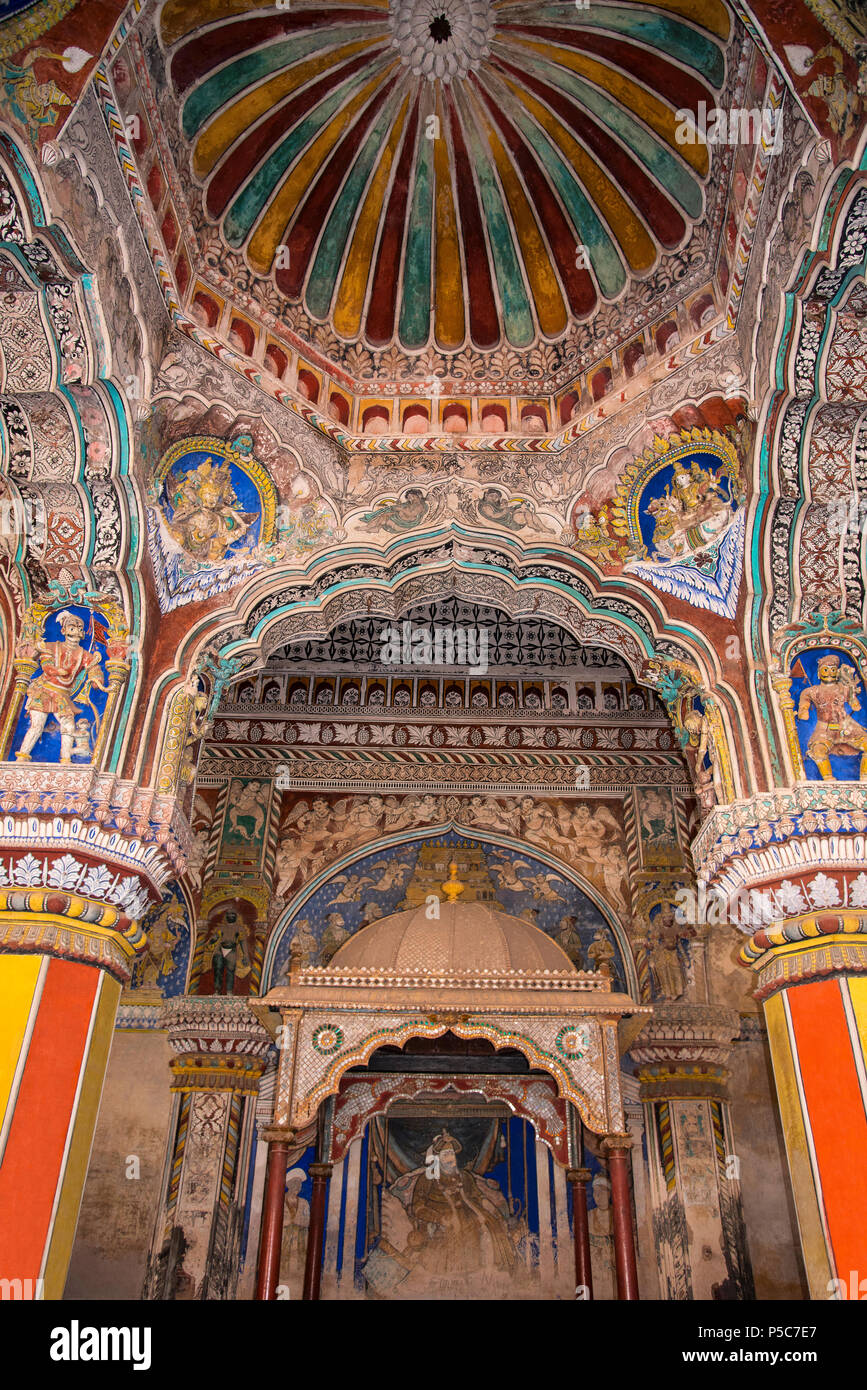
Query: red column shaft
{"x":320,"y":1173}
{"x":272,"y":1219}
{"x":624,"y":1243}
{"x":579,"y":1178}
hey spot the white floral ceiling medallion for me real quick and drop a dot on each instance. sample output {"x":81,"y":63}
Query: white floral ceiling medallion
{"x":441,"y":38}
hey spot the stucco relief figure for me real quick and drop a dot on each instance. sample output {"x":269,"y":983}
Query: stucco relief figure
{"x":443,"y":1225}
{"x":708,"y":776}
{"x":836,"y":731}
{"x":665,"y":962}
{"x":397,"y":516}
{"x":197,"y":856}
{"x":206,"y":518}
{"x":333,"y":937}
{"x":694,"y":510}
{"x":600,"y":1223}
{"x":568,"y":938}
{"x":307,"y":845}
{"x":514,"y":513}
{"x":296,"y":1224}
{"x":304,"y":947}
{"x":62,"y":688}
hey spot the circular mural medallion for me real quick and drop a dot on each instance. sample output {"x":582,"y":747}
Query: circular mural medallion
{"x":327,"y":1039}
{"x":573,"y":1041}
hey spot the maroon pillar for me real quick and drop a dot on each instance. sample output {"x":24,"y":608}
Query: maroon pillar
{"x":320,"y":1173}
{"x":617,"y":1147}
{"x":272,"y":1219}
{"x":579,"y":1178}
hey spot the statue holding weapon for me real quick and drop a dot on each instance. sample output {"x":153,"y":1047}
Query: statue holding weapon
{"x":69,"y":671}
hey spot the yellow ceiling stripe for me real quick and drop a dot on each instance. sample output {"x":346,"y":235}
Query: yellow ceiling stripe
{"x":448,"y":275}
{"x":635,"y":241}
{"x":243,"y":113}
{"x":284,"y":204}
{"x":655,"y":113}
{"x":544,"y":284}
{"x":350,"y":298}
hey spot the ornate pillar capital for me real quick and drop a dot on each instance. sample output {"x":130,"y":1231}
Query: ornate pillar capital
{"x":788,"y":836}
{"x":682,"y":1050}
{"x":218,"y":1042}
{"x":617,"y":1143}
{"x":83,"y":855}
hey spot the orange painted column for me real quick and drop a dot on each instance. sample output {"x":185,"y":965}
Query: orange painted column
{"x":56,"y":1025}
{"x":816,"y":1018}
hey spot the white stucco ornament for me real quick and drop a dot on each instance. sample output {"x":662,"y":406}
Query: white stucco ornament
{"x":441,"y":39}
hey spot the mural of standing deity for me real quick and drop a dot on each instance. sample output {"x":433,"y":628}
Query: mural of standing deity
{"x":826,"y":709}
{"x":72,"y":659}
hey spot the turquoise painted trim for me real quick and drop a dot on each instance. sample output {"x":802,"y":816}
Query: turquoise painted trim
{"x":649,"y":149}
{"x":247,"y":208}
{"x":35,"y":205}
{"x":219,"y":89}
{"x":135,"y":546}
{"x":414,"y":323}
{"x":489,"y":837}
{"x":332,"y":245}
{"x":778,"y":404}
{"x":672,"y":37}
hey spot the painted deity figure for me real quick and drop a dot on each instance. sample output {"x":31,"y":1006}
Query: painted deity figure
{"x":836,"y":731}
{"x":206,"y":518}
{"x":68,"y":672}
{"x":158,"y":960}
{"x":693,"y":510}
{"x":665,"y":962}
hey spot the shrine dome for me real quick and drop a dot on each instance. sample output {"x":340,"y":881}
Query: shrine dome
{"x":465,"y":938}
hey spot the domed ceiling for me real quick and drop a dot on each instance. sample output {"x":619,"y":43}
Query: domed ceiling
{"x":444,"y":197}
{"x":447,"y":171}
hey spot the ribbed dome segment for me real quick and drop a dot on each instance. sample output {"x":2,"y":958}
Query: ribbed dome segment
{"x":425,"y":172}
{"x":465,"y":937}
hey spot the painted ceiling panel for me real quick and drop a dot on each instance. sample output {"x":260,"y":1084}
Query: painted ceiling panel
{"x":447,"y":172}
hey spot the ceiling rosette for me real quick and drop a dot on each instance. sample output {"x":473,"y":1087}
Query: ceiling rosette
{"x":447,"y":173}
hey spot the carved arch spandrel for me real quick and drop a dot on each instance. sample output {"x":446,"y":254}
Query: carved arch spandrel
{"x":317,"y":1076}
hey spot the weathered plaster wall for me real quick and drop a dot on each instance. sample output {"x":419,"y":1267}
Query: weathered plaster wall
{"x":118,"y":1212}
{"x":772,"y":1232}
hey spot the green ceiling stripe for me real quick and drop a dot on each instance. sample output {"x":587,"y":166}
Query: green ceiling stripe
{"x":217,"y":90}
{"x":415,"y":308}
{"x":645,"y":146}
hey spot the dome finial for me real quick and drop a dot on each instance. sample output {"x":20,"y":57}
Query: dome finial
{"x":452,"y":887}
